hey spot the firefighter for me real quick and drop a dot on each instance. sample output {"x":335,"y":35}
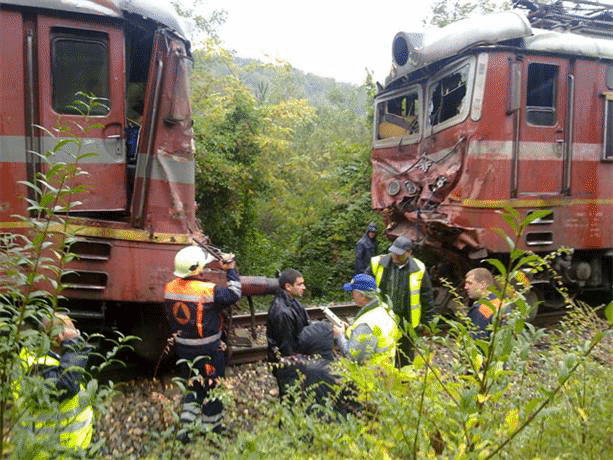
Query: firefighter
{"x":373,"y":333}
{"x":63,"y":367}
{"x":194,"y":309}
{"x":405,"y":280}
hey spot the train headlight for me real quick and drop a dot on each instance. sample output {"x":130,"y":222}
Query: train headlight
{"x":393,"y":188}
{"x":412,"y":188}
{"x":406,"y":49}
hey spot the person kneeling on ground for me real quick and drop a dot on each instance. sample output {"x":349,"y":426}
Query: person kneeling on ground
{"x":70,"y":425}
{"x":299,"y":349}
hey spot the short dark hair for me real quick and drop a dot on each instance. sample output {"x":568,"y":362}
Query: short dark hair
{"x":289,"y":275}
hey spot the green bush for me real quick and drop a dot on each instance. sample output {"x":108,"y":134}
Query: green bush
{"x":33,"y":263}
{"x":523,"y":393}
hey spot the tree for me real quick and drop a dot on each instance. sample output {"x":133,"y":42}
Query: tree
{"x":443,"y":12}
{"x":203,"y":26}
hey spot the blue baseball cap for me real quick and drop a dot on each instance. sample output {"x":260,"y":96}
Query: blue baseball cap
{"x":361,"y":282}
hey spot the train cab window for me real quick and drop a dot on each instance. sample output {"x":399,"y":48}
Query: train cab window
{"x":80,"y":64}
{"x":398,"y":116}
{"x":607,"y":153}
{"x":610,"y":77}
{"x":541,"y":94}
{"x":448,"y":96}
{"x":180,"y":109}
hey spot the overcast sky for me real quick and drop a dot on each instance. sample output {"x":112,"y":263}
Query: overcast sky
{"x":329,"y":38}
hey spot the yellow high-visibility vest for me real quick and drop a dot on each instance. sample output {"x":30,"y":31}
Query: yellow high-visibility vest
{"x":76,"y":416}
{"x":415,"y":280}
{"x":382,"y":322}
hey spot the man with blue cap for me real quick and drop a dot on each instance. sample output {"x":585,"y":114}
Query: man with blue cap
{"x":404,"y":279}
{"x":373,"y":334}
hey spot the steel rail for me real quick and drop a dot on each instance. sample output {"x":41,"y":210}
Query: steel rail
{"x":342,"y":310}
{"x":238,"y":354}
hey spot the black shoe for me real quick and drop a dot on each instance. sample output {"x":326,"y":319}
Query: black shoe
{"x":220,"y":429}
{"x":184,"y":436}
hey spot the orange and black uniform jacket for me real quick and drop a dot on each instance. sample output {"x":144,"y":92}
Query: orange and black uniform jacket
{"x":194,"y":307}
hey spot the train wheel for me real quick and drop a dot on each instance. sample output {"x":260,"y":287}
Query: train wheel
{"x":153,"y":331}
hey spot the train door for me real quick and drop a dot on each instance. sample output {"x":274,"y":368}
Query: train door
{"x":543,"y":134}
{"x":77,"y":58}
{"x":164,"y":177}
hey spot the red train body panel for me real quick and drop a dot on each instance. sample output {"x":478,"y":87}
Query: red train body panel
{"x":138,"y":208}
{"x":490,"y":112}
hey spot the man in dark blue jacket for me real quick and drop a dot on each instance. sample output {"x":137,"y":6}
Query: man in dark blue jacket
{"x":477,"y":283}
{"x":366,"y":248}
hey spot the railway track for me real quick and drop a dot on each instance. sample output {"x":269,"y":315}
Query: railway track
{"x":243,"y":351}
{"x":247,"y":342}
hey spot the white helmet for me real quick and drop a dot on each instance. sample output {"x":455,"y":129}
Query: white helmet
{"x":190,"y":260}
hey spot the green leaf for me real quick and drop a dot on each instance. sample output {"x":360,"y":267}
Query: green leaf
{"x":61,"y":144}
{"x":608,"y":312}
{"x":498,"y":265}
{"x":418,"y":362}
{"x":531,"y":405}
{"x":535,"y":215}
{"x":512,"y":421}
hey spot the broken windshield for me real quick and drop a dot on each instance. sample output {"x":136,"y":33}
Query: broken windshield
{"x":448,"y":96}
{"x":398,"y":116}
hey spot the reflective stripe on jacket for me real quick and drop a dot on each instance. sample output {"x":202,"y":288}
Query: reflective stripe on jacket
{"x":189,"y":308}
{"x":415,"y":280}
{"x":76,"y":416}
{"x":194,"y":307}
{"x":380,"y":319}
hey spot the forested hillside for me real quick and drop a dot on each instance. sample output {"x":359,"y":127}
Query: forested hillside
{"x":319,"y":91}
{"x":283,"y":171}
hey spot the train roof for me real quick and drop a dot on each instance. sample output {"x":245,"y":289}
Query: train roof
{"x":159,"y":11}
{"x":412,"y":51}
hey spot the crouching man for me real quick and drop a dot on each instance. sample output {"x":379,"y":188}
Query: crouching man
{"x":373,"y":334}
{"x":66,"y":418}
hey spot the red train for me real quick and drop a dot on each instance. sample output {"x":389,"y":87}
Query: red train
{"x":139,"y":207}
{"x":504,"y":109}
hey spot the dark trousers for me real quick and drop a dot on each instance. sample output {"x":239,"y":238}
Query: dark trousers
{"x":315,"y":376}
{"x":210,"y":363}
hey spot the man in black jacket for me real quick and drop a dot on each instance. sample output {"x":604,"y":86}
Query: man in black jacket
{"x":286,"y":319}
{"x":300,"y":347}
{"x":366,"y":248}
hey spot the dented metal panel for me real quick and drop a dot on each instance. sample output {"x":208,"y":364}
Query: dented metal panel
{"x":455,"y":144}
